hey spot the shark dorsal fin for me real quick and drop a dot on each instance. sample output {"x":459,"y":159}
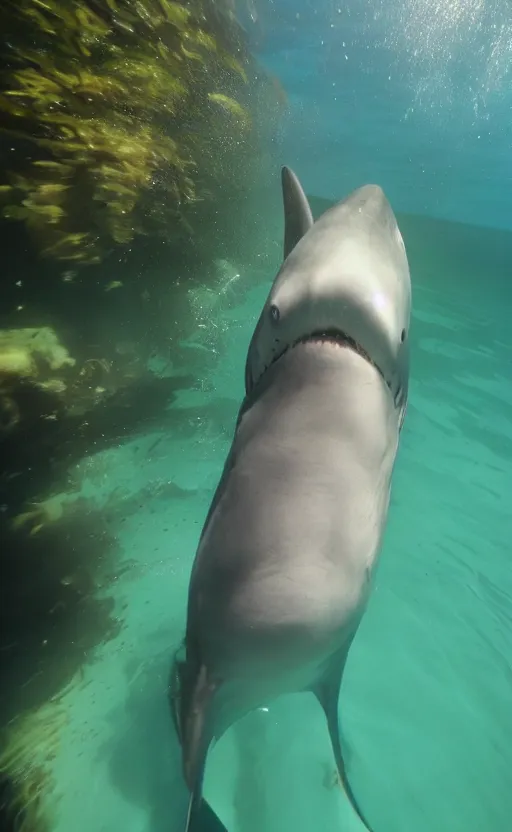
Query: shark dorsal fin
{"x":297,"y":214}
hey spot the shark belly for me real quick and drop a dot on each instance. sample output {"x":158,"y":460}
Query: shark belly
{"x":285,"y":563}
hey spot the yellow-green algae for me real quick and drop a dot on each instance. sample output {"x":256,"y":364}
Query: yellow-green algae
{"x":29,"y":744}
{"x":121,"y":113}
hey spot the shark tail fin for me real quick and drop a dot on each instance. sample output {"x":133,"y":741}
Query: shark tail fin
{"x":327,"y":692}
{"x":196,"y":740}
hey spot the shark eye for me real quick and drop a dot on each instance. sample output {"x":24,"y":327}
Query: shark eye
{"x":274,"y":313}
{"x":402,"y":336}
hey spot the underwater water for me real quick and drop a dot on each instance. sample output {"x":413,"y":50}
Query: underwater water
{"x":423,"y":109}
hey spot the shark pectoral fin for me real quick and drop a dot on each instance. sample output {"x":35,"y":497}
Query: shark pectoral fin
{"x":196,"y":740}
{"x":297,"y":214}
{"x":327,"y":693}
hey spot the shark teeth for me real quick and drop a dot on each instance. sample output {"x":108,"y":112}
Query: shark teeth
{"x":331,"y":336}
{"x":328,"y":335}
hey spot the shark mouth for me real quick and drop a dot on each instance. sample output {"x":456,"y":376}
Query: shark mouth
{"x":328,"y":336}
{"x":341,"y":339}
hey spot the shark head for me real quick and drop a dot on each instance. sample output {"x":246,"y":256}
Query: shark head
{"x":344,"y":278}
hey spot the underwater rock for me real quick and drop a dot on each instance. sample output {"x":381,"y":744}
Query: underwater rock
{"x":38,"y":454}
{"x":51,"y":613}
{"x":54,"y":561}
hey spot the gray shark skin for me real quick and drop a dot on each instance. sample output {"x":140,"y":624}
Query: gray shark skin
{"x":284,"y":566}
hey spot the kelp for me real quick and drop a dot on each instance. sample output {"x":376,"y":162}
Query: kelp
{"x":114,"y":111}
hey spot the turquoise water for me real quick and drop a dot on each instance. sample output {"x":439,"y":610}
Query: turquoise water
{"x":412,"y":94}
{"x":426,"y":699}
{"x":419,"y":101}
